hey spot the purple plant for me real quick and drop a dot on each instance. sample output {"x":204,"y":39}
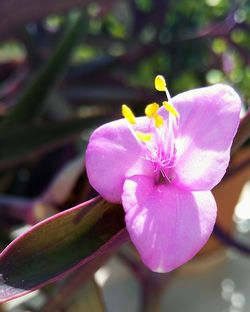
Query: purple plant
{"x":71,"y":74}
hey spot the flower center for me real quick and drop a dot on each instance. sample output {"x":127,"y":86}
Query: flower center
{"x":158,"y":142}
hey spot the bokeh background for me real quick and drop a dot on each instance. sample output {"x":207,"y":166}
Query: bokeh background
{"x":66,"y":67}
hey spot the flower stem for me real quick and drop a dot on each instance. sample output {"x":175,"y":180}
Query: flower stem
{"x":152,"y":285}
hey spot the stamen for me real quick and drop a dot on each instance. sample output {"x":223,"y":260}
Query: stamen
{"x":160,"y":83}
{"x":128,"y":114}
{"x":157,"y":145}
{"x":170,"y":108}
{"x":159,"y":121}
{"x":151,"y":109}
{"x":144,"y":137}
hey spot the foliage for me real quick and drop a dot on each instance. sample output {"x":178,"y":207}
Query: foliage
{"x":64,"y":69}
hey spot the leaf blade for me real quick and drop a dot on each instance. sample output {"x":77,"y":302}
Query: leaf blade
{"x":59,"y":245}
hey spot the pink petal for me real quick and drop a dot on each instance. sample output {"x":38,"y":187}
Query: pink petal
{"x":167,"y":225}
{"x":112,"y":155}
{"x":209,"y":118}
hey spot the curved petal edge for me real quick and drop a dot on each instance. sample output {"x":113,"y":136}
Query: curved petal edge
{"x":168,"y":226}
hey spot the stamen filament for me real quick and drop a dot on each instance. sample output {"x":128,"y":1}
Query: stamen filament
{"x":158,"y":138}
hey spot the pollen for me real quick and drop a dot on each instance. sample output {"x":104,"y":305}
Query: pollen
{"x":143,"y":137}
{"x":151,"y":112}
{"x":159,"y":121}
{"x":128,"y":114}
{"x":160,"y":83}
{"x":170,"y":108}
{"x":151,"y":109}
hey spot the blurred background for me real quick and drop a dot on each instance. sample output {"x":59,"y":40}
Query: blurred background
{"x":66,"y":67}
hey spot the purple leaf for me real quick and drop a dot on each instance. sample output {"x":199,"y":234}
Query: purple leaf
{"x":59,"y":245}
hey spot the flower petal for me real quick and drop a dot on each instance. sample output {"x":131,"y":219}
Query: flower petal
{"x":167,"y":225}
{"x":209,"y":118}
{"x":114,"y":154}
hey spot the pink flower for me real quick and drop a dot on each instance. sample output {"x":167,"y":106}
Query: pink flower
{"x":162,"y":167}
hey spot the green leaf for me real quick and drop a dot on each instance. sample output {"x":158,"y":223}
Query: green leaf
{"x":59,"y":245}
{"x":32,"y":101}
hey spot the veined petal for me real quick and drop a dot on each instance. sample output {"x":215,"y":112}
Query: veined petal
{"x":167,"y":225}
{"x":209,"y":118}
{"x":112,"y":155}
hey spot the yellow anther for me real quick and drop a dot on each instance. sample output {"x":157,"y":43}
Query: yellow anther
{"x":151,"y":109}
{"x":170,"y":108}
{"x":143,"y":137}
{"x":159,"y":121}
{"x":160,"y":83}
{"x":128,"y":114}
